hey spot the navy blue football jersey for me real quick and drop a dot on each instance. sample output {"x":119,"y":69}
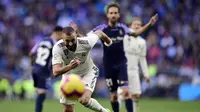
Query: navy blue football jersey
{"x":43,"y":55}
{"x":114,"y":54}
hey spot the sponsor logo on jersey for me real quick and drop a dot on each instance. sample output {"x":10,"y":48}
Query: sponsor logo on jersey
{"x":83,"y":41}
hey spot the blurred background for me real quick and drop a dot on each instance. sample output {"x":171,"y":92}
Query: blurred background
{"x":173,"y":43}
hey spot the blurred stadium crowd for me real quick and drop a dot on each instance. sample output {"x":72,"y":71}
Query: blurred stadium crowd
{"x":173,"y":44}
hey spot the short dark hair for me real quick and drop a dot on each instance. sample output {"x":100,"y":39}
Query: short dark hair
{"x":137,"y":19}
{"x":112,"y":4}
{"x":58,"y":28}
{"x":68,"y":30}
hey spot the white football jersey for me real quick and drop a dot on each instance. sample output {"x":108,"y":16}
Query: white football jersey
{"x":61,"y":54}
{"x":135,"y":51}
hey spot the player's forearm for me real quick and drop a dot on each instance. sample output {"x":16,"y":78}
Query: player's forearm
{"x":31,"y":58}
{"x":103,"y":37}
{"x":79,"y":34}
{"x":58,"y":71}
{"x":140,"y":31}
{"x":143,"y":64}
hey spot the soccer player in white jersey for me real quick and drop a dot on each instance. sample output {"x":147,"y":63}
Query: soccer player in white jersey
{"x":135,"y":51}
{"x":72,"y":55}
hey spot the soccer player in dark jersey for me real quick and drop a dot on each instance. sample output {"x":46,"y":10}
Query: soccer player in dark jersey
{"x":41,"y":55}
{"x":114,"y":58}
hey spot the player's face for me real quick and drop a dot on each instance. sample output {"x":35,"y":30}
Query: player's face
{"x":113,"y":14}
{"x":136,"y":24}
{"x":70,"y":41}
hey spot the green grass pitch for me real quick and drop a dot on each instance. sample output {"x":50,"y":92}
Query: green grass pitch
{"x":146,"y":105}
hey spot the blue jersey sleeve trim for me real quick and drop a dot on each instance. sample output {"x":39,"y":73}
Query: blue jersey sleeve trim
{"x":100,"y":27}
{"x":127,"y":30}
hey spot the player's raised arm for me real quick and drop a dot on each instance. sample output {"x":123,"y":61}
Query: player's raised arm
{"x":151,"y":22}
{"x":75,"y":27}
{"x":104,"y":37}
{"x":33,"y":52}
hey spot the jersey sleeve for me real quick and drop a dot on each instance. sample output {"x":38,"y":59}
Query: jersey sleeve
{"x":56,"y":55}
{"x":143,"y":61}
{"x":92,"y":39}
{"x":144,"y":49}
{"x":125,"y":42}
{"x":34,"y":49}
{"x":127,"y":29}
{"x":100,"y":27}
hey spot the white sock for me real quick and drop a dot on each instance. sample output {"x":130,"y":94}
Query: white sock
{"x":95,"y":106}
{"x":136,"y":105}
{"x":120,"y":101}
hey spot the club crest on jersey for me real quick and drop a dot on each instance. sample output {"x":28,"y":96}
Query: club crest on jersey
{"x":83,"y":54}
{"x":120,"y":32}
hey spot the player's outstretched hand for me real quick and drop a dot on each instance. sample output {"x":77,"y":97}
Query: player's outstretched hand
{"x":147,"y":79}
{"x":74,"y":63}
{"x":74,"y":25}
{"x":153,"y":19}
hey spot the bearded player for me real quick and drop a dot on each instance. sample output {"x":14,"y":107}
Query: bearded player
{"x":71,"y":55}
{"x":41,"y":55}
{"x":114,"y":59}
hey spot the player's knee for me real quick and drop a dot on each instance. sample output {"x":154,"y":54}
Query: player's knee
{"x":114,"y":97}
{"x":136,"y":96}
{"x":41,"y":91}
{"x":84,"y":100}
{"x":125,"y":93}
{"x":68,"y":108}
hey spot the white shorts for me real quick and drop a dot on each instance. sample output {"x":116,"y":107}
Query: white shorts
{"x":134,"y":82}
{"x":89,"y":79}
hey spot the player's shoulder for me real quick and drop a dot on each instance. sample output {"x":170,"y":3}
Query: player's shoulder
{"x":141,"y":40}
{"x":60,"y":43}
{"x":46,"y":41}
{"x":100,"y":27}
{"x":46,"y":38}
{"x":83,"y":41}
{"x":122,"y":25}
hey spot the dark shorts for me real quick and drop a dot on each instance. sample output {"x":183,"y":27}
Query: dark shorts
{"x":40,"y":82}
{"x":116,"y":76}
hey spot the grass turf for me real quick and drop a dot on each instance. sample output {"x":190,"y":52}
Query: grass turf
{"x":146,"y":105}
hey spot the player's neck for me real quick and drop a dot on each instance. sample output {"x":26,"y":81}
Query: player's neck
{"x":73,"y":48}
{"x":111,"y":24}
{"x":53,"y":36}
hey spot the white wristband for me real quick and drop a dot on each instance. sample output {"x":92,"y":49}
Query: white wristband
{"x":108,"y":44}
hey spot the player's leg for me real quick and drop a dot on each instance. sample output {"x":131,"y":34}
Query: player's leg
{"x":135,"y":88}
{"x":136,"y":98}
{"x":68,"y":108}
{"x":68,"y":105}
{"x":41,"y":90}
{"x":123,"y":83}
{"x":112,"y":86}
{"x":120,"y":97}
{"x":86,"y":100}
{"x":111,"y":82}
{"x":41,"y":96}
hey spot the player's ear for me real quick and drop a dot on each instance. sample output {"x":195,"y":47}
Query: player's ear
{"x":107,"y":14}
